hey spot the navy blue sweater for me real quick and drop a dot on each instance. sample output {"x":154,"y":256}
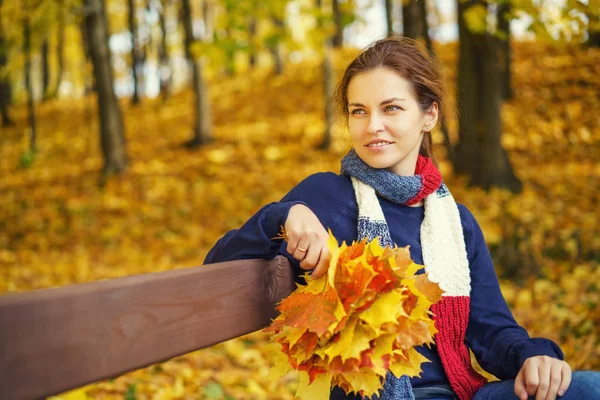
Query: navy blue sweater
{"x":499,"y":343}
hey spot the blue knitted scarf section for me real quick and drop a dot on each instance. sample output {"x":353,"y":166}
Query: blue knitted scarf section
{"x":399,"y":189}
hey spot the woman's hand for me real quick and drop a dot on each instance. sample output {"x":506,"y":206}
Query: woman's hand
{"x":542,"y":376}
{"x":307,"y":240}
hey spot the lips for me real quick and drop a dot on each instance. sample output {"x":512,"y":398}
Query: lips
{"x":379,"y":143}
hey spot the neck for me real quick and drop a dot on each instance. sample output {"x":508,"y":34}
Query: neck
{"x":405,"y":167}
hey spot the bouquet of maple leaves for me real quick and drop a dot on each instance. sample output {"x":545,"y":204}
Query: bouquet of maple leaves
{"x":357,"y":322}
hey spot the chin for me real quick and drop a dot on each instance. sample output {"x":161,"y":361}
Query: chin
{"x":379,"y":162}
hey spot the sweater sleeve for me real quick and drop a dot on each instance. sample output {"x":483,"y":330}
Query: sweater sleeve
{"x":255,"y":238}
{"x":498,"y":342}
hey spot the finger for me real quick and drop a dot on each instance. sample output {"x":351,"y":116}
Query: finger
{"x":312,"y":257}
{"x":292,"y":241}
{"x":531,"y":378}
{"x":323,"y":263}
{"x":565,"y":379}
{"x":301,"y":251}
{"x":520,"y":390}
{"x":555,"y":380}
{"x":544,"y":381}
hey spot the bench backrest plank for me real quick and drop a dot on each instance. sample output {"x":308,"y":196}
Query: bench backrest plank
{"x":54,"y":340}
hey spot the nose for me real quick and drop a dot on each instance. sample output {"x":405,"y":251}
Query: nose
{"x":375,"y":124}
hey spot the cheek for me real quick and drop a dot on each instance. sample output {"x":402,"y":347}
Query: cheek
{"x":355,"y":128}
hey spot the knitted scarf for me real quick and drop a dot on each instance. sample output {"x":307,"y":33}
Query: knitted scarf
{"x":444,"y":256}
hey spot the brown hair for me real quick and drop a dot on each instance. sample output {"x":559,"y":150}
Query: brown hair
{"x":409,"y":59}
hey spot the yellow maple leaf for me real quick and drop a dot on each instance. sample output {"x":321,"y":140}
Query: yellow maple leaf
{"x":411,"y":366}
{"x":385,"y":309}
{"x":365,"y":380}
{"x":318,"y":389}
{"x":335,"y":251}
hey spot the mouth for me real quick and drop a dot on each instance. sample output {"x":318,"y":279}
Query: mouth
{"x":380,"y":143}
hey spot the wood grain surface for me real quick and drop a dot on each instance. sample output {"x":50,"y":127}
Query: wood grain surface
{"x":54,"y":340}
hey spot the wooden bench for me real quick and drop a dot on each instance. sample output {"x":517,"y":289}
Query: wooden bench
{"x":53,"y":340}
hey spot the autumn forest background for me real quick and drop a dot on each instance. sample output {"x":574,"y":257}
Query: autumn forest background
{"x":134,"y":134}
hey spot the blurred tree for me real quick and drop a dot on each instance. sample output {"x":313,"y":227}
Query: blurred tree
{"x":112,"y":137}
{"x":133,"y":31}
{"x":424,"y":24}
{"x":60,"y":46}
{"x":389,"y":17}
{"x":411,"y":19}
{"x":337,"y":40}
{"x":88,"y":81}
{"x":26,"y":24}
{"x":252,"y":50}
{"x":202,"y":111}
{"x":45,"y":50}
{"x":414,"y":19}
{"x":416,"y":26}
{"x":274,"y":40}
{"x":5,"y":86}
{"x":479,"y":153}
{"x":592,"y":13}
{"x":163,"y":54}
{"x":326,"y":71}
{"x":503,"y":16}
{"x":344,"y":13}
{"x":275,"y":45}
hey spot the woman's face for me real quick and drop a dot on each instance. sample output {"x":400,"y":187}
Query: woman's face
{"x":385,"y":120}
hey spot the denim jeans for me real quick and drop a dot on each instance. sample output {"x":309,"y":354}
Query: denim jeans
{"x":585,"y":385}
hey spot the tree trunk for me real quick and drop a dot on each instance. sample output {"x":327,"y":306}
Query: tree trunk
{"x":230,"y":52}
{"x":424,"y":25}
{"x":135,"y":99}
{"x":202,"y":127}
{"x":414,"y":18}
{"x":112,"y":137}
{"x":45,"y":69}
{"x":28,"y":86}
{"x":5,"y":97}
{"x":88,"y":81}
{"x":495,"y":168}
{"x":479,"y":153}
{"x":389,"y":17}
{"x":593,"y":39}
{"x":328,"y":86}
{"x":504,"y":50}
{"x":467,"y":152}
{"x":338,"y":38}
{"x":60,"y":46}
{"x":5,"y":86}
{"x":164,"y":68}
{"x":251,"y":35}
{"x":328,"y":92}
{"x":410,"y":19}
{"x":275,"y":47}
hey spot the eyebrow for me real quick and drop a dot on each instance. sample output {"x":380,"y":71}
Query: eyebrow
{"x":383,"y":103}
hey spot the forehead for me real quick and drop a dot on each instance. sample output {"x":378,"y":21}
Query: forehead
{"x":378,"y":84}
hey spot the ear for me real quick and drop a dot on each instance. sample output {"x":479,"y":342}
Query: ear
{"x":431,"y":117}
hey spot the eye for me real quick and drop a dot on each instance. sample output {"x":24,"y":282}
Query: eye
{"x":391,"y":108}
{"x":357,"y":111}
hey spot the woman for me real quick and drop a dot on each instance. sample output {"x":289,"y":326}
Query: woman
{"x":390,"y":188}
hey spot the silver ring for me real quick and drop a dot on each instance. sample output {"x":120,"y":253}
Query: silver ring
{"x":300,"y":248}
